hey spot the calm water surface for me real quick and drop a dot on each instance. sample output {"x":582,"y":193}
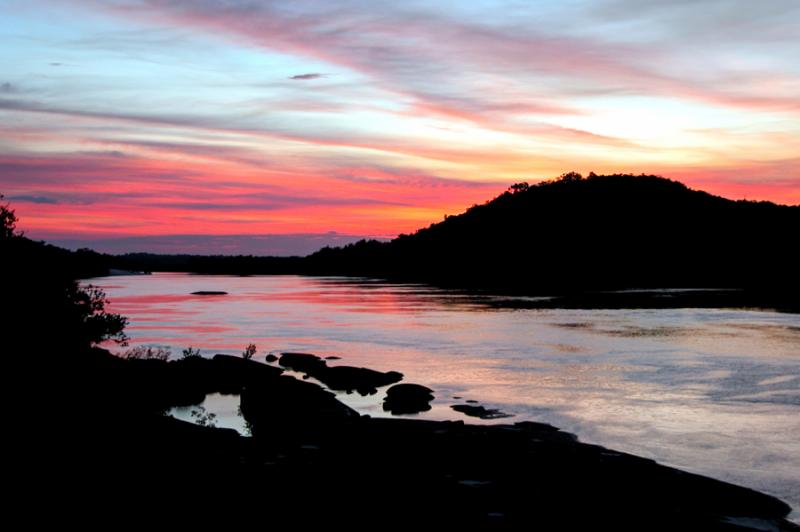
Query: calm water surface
{"x":713,"y":391}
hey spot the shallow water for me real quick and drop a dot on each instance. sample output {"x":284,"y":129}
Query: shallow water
{"x":713,"y":391}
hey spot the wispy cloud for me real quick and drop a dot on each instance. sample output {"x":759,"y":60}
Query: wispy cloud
{"x":34,"y":199}
{"x":305,"y":77}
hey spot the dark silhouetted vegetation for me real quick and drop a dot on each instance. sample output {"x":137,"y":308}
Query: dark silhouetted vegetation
{"x":576,"y":234}
{"x":8,"y":220}
{"x":202,"y":417}
{"x":249,"y":351}
{"x":190,"y":353}
{"x":141,"y":352}
{"x":41,"y":280}
{"x":208,"y":264}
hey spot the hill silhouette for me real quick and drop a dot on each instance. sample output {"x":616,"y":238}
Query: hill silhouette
{"x":601,"y":232}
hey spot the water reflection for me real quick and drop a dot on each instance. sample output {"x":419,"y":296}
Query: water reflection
{"x":710,"y":390}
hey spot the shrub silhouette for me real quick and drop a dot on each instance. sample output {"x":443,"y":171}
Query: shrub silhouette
{"x":141,"y":352}
{"x":8,"y":221}
{"x":249,"y":351}
{"x":190,"y":353}
{"x":40,"y":281}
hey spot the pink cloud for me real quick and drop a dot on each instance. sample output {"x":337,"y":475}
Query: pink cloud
{"x":125,"y":196}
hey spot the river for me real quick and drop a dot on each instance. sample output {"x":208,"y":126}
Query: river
{"x":712,"y":391}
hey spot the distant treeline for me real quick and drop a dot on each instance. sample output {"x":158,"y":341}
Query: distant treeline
{"x":209,"y":264}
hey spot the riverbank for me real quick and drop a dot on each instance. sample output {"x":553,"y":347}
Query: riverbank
{"x":313,"y":460}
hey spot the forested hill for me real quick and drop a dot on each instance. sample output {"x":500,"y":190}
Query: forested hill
{"x":599,"y":232}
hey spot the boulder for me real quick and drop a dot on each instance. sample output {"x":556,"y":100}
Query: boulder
{"x":362,"y":380}
{"x":303,"y":362}
{"x":407,"y":399}
{"x":231,"y":374}
{"x":289,"y":406}
{"x":341,"y":378}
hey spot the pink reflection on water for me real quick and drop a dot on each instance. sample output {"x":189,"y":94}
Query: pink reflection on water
{"x":201,"y":329}
{"x":352,"y":300}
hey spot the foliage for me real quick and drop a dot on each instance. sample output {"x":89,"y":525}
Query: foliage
{"x":8,"y":221}
{"x":203,"y":417}
{"x":88,"y":305}
{"x":40,"y":282}
{"x":190,"y":353}
{"x":576,"y":233}
{"x":142,"y":352}
{"x":570,"y":177}
{"x":249,"y":351}
{"x":248,"y":426}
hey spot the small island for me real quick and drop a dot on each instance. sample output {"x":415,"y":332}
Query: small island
{"x":209,"y":293}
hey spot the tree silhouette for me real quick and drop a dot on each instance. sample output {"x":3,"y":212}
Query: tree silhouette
{"x":8,"y":221}
{"x":570,"y":177}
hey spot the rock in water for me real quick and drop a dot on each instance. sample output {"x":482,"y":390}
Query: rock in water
{"x":480,"y":411}
{"x":209,"y":293}
{"x":342,"y":378}
{"x":303,"y":362}
{"x":407,"y":399}
{"x":363,"y":380}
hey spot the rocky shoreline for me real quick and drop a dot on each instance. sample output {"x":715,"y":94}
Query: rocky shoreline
{"x":314,"y":460}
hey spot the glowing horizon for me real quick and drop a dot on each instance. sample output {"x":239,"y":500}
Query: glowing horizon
{"x":151,"y":118}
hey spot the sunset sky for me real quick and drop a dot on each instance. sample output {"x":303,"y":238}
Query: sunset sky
{"x":155,"y":124}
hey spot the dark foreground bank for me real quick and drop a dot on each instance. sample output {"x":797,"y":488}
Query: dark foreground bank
{"x":313,"y":461}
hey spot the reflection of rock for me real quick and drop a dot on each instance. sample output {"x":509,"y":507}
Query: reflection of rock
{"x":407,"y":399}
{"x":333,"y":357}
{"x":209,"y":293}
{"x":186,"y":382}
{"x":480,"y":411}
{"x":164,"y":384}
{"x":115,"y":271}
{"x":344,"y":378}
{"x":270,"y":358}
